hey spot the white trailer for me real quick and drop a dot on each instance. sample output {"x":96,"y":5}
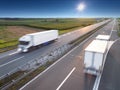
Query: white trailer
{"x":31,"y":40}
{"x":103,"y":37}
{"x":94,"y":57}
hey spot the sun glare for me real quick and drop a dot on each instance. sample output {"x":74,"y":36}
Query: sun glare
{"x":81,"y":7}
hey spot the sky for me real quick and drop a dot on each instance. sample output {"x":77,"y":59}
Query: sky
{"x":59,"y":8}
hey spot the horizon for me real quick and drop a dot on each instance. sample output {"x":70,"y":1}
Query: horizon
{"x":57,"y":17}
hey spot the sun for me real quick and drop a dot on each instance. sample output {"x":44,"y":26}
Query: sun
{"x":81,"y":7}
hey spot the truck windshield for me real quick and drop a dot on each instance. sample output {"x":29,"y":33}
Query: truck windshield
{"x":23,"y":43}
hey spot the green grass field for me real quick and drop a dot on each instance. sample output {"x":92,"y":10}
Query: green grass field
{"x":64,"y":25}
{"x":59,"y":24}
{"x":7,"y":38}
{"x":119,"y":27}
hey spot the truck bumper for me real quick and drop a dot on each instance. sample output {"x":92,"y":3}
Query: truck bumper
{"x":91,"y":71}
{"x":22,"y":50}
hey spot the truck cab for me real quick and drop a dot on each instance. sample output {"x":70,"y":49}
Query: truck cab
{"x":24,"y":43}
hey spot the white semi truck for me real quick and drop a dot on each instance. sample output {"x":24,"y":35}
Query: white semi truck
{"x":103,"y":37}
{"x":94,"y":57}
{"x":31,"y":40}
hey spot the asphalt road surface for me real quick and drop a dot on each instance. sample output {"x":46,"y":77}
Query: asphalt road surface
{"x":10,"y":61}
{"x":67,"y":73}
{"x":111,"y":75}
{"x":110,"y":79}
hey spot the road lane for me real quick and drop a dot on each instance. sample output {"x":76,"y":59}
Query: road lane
{"x":11,"y":61}
{"x":110,"y":79}
{"x":4,"y":54}
{"x":66,"y":78}
{"x":113,"y":38}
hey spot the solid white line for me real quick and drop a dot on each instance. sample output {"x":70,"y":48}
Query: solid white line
{"x":2,"y":57}
{"x":112,"y":28}
{"x":11,"y":61}
{"x":9,"y":54}
{"x":55,"y":63}
{"x":13,"y":53}
{"x":97,"y":81}
{"x":65,"y":79}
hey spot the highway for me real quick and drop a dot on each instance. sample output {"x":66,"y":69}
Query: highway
{"x":67,"y":72}
{"x":10,"y":61}
{"x":110,"y":78}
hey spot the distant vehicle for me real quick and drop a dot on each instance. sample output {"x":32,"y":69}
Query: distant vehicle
{"x":94,"y":57}
{"x":103,"y":37}
{"x":35,"y":39}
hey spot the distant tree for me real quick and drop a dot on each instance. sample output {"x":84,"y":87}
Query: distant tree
{"x":45,"y":20}
{"x":56,"y":20}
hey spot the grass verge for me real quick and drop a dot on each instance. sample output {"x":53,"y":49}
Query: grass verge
{"x":31,"y":75}
{"x":8,"y":46}
{"x":80,"y":39}
{"x":10,"y":78}
{"x":68,"y":30}
{"x":118,"y":27}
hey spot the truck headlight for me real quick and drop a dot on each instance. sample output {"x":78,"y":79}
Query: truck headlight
{"x":19,"y":49}
{"x":25,"y":50}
